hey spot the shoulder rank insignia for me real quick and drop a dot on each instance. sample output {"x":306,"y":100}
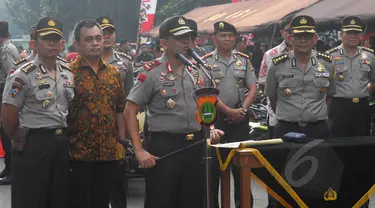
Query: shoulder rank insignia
{"x":61,"y":59}
{"x":243,"y":55}
{"x":27,"y":68}
{"x":332,"y":50}
{"x":125,"y":55}
{"x":280,"y":59}
{"x":367,"y":49}
{"x":152,"y":64}
{"x":324,"y":56}
{"x":65,"y":66}
{"x":207,"y":56}
{"x":19,"y":62}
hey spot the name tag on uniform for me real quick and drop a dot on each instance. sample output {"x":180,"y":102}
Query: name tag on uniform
{"x":339,"y":61}
{"x":44,"y":86}
{"x":119,"y":63}
{"x":288,"y":76}
{"x":322,"y":74}
{"x":69,"y":84}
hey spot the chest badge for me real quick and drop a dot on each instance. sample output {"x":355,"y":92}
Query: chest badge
{"x":69,"y":84}
{"x":288,"y":92}
{"x":170,"y":77}
{"x":320,"y":67}
{"x":341,"y":77}
{"x":171,"y":103}
{"x":46,"y":103}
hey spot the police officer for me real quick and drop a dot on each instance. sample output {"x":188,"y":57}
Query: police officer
{"x":8,"y":55}
{"x":121,"y":60}
{"x":166,"y":88}
{"x":234,"y":76}
{"x":299,"y":82}
{"x":355,"y":68}
{"x":198,"y":49}
{"x":35,"y":106}
{"x":124,"y":63}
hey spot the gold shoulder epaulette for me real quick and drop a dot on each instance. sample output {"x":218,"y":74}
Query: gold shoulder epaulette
{"x":332,"y":50}
{"x":243,"y":55}
{"x":61,"y":59}
{"x":27,"y":68}
{"x":19,"y":62}
{"x":65,"y":66}
{"x":367,"y":49}
{"x":152,"y":64}
{"x":324,"y":56}
{"x":280,"y":59}
{"x":125,"y":55}
{"x":207,"y":56}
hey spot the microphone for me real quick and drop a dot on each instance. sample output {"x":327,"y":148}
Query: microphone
{"x":196,"y":57}
{"x":184,"y":60}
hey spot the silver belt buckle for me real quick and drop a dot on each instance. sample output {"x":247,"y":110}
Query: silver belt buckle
{"x":189,"y":137}
{"x":302,"y":124}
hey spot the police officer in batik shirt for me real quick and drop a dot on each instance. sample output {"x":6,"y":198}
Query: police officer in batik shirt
{"x":234,"y":76}
{"x":34,"y":114}
{"x":355,"y":69}
{"x":300,"y":84}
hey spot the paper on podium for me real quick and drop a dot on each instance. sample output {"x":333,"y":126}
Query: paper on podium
{"x":248,"y":143}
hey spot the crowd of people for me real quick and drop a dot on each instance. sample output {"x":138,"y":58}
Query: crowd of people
{"x":65,"y":125}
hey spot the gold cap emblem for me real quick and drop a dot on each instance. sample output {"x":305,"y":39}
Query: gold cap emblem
{"x":330,"y":195}
{"x":51,"y":23}
{"x":105,"y":21}
{"x":181,"y":21}
{"x":352,"y":22}
{"x":303,"y":21}
{"x":221,"y":25}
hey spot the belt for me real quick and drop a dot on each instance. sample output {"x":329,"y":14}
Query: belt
{"x":187,"y":136}
{"x":302,"y":123}
{"x":353,"y":100}
{"x":55,"y":131}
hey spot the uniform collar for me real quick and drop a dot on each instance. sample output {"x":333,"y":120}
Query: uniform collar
{"x":294,"y":62}
{"x":43,"y":71}
{"x":342,"y":51}
{"x":114,"y":57}
{"x":217,"y":57}
{"x":282,"y":48}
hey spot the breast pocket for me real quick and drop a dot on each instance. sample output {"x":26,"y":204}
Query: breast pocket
{"x":217,"y":74}
{"x":364,"y":73}
{"x":239,"y":74}
{"x":321,"y":82}
{"x":45,"y":98}
{"x":288,"y":83}
{"x":169,"y":95}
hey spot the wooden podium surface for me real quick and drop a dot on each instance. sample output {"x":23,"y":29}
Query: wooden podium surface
{"x":245,"y":160}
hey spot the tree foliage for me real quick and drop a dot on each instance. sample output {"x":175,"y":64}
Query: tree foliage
{"x":27,"y":12}
{"x":168,"y":8}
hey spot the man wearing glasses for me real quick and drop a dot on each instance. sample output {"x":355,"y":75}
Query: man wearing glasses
{"x":300,"y":83}
{"x":355,"y":68}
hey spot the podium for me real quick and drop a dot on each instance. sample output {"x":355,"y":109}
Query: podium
{"x":245,"y":160}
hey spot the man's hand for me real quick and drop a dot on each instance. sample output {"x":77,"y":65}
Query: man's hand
{"x":236,"y":115}
{"x":215,"y":135}
{"x":145,"y":159}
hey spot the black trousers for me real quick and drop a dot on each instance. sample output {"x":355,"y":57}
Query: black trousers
{"x":7,"y":147}
{"x":316,"y":130}
{"x":40,"y":172}
{"x":5,"y":141}
{"x":233,"y":133}
{"x":176,"y":181}
{"x":120,"y":185}
{"x":350,"y":119}
{"x":90,"y":183}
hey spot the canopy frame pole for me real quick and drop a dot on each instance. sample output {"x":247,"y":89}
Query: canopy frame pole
{"x":273,"y":36}
{"x":364,"y":34}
